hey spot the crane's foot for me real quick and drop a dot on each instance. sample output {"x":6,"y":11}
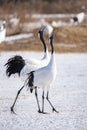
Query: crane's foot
{"x":55,"y":110}
{"x":12,"y":110}
{"x":39,"y":111}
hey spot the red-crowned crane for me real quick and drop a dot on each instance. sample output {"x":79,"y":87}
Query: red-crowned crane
{"x":41,"y":78}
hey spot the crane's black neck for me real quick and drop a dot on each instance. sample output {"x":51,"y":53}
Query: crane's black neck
{"x":42,"y":39}
{"x":51,"y":43}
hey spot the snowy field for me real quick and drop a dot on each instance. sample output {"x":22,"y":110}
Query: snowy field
{"x":68,"y":94}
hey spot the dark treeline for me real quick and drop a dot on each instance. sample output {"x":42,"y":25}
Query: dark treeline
{"x":34,"y":1}
{"x":46,"y":6}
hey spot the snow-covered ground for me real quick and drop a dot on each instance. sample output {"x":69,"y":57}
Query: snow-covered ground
{"x":69,"y":96}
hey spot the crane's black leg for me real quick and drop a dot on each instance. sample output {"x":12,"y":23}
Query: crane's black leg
{"x":43,"y":102}
{"x":51,"y":103}
{"x":37,"y":100}
{"x":12,"y":108}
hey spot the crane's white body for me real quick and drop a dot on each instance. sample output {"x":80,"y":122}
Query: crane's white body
{"x":45,"y":76}
{"x":34,"y":64}
{"x":2,"y":31}
{"x":80,"y":18}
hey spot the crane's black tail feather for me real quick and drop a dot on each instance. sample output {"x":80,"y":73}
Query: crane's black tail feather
{"x":14,"y":65}
{"x":30,"y":81}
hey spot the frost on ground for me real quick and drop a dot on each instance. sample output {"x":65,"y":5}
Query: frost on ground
{"x":68,"y":94}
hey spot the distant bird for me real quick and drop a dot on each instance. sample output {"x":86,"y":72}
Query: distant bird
{"x":2,"y":31}
{"x":18,"y":64}
{"x":43,"y":78}
{"x":78,"y":18}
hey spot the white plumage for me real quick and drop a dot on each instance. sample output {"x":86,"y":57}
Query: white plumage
{"x":2,"y":31}
{"x":79,"y":18}
{"x":40,"y":80}
{"x":34,"y":64}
